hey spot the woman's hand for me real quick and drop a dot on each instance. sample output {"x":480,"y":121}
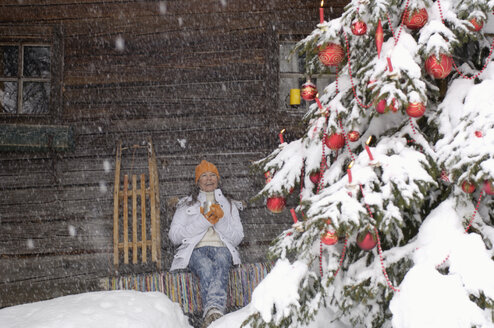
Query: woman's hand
{"x":216,"y":210}
{"x":214,"y":215}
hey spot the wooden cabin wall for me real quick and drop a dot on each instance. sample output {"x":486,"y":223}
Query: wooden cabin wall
{"x":205,"y":71}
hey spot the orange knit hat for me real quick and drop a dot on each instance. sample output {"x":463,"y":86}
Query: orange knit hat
{"x":206,"y":166}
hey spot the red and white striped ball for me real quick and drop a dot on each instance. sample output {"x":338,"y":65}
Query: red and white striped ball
{"x":416,"y":109}
{"x":331,"y":55}
{"x":416,"y":19}
{"x":439,"y":69}
{"x":309,"y":91}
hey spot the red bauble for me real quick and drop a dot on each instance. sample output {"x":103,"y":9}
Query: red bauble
{"x":309,"y":91}
{"x":489,"y":187}
{"x":379,"y":38}
{"x":439,"y":69}
{"x":353,"y":136}
{"x":359,"y":28}
{"x":366,"y":240}
{"x":415,"y":109}
{"x":468,"y":187}
{"x":479,"y":134}
{"x":331,"y":55}
{"x":276,"y":204}
{"x":477,"y":26}
{"x":392,"y":106}
{"x":417,"y":19}
{"x":315,"y":177}
{"x":329,"y":238}
{"x":381,"y":107}
{"x":335,"y":141}
{"x":268,"y":176}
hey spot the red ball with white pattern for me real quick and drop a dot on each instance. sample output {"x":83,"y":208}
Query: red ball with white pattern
{"x":359,"y":28}
{"x":353,"y":136}
{"x":309,"y":91}
{"x":439,"y":69}
{"x":416,"y":109}
{"x":331,"y":55}
{"x":417,"y":19}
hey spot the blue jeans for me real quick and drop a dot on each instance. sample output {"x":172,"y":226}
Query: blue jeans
{"x":212,"y":266}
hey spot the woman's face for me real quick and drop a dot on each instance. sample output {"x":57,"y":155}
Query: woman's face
{"x":208,"y":181}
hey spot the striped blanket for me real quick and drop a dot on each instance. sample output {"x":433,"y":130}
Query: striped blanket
{"x":183,"y":286}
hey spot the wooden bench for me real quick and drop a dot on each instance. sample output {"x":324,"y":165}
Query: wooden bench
{"x":183,"y":286}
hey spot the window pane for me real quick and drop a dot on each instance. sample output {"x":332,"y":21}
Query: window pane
{"x":8,"y":97}
{"x":35,"y":98}
{"x":9,"y":61}
{"x":36,"y":62}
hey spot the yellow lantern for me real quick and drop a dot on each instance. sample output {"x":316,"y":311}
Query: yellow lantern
{"x":294,"y":97}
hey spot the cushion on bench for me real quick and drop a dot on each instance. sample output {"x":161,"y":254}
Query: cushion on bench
{"x":183,"y":286}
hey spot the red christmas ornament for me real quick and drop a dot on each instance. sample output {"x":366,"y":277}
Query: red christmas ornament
{"x":315,"y":177}
{"x":335,"y":141}
{"x":392,"y":107}
{"x":359,"y":28}
{"x":479,"y":134}
{"x":468,"y":187}
{"x":417,"y":19}
{"x":477,"y":26}
{"x":379,"y":38}
{"x":353,"y":136}
{"x":366,"y":240}
{"x":268,"y":176}
{"x":439,"y":69}
{"x":331,"y":55}
{"x":415,"y":109}
{"x":276,"y":204}
{"x":489,"y":187}
{"x":329,"y":238}
{"x":309,"y":91}
{"x":381,"y":107}
{"x":444,"y":176}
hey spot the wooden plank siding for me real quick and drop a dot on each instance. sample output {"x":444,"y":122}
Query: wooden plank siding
{"x":205,"y":71}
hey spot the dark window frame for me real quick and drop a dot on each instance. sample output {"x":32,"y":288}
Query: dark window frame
{"x":21,"y":77}
{"x":35,"y":35}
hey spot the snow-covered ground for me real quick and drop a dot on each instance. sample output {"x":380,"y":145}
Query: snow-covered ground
{"x":117,"y":309}
{"x":131,"y":309}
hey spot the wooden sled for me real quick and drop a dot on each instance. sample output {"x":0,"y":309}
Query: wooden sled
{"x":141,"y":204}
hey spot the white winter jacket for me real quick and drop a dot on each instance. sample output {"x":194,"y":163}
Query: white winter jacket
{"x":189,"y":226}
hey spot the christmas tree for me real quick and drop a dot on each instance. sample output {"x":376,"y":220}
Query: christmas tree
{"x":393,"y":177}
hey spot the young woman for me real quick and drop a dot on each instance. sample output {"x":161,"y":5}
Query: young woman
{"x":207,"y":227}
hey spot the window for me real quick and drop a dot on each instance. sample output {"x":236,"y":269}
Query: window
{"x":31,"y":110}
{"x":25,"y":78}
{"x":293,"y":76}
